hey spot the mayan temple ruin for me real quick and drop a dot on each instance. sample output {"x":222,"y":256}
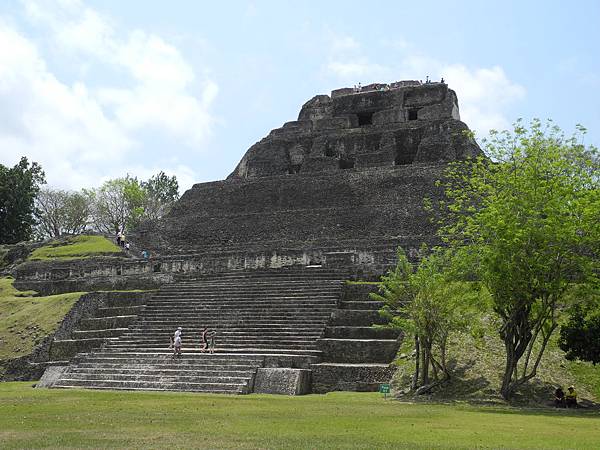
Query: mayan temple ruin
{"x":264,"y":256}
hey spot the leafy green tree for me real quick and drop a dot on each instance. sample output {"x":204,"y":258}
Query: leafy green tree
{"x":580,"y":336}
{"x":117,"y":204}
{"x":423,"y":301}
{"x":59,"y":212}
{"x":527,"y":223}
{"x":123,"y":203}
{"x":19,"y":187}
{"x":161,"y":192}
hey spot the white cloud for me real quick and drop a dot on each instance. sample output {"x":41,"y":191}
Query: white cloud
{"x":82,"y":132}
{"x":484,"y":93}
{"x":61,"y":126}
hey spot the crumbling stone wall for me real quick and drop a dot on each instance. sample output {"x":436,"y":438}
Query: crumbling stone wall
{"x":350,"y":174}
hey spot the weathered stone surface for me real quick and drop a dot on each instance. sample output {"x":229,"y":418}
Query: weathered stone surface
{"x":353,"y":123}
{"x":358,"y":350}
{"x":282,"y":381}
{"x":50,"y":376}
{"x":31,"y":367}
{"x":327,"y":377}
{"x":349,"y":175}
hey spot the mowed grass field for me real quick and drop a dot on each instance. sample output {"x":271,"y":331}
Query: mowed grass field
{"x":40,"y":418}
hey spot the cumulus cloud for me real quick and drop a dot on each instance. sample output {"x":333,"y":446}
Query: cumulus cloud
{"x":83,"y":131}
{"x":485,"y":93}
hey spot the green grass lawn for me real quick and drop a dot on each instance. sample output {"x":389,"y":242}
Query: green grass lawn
{"x":26,"y":320}
{"x":75,"y":247}
{"x":39,"y":418}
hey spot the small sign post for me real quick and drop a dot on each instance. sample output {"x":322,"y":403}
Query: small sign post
{"x":384,"y":389}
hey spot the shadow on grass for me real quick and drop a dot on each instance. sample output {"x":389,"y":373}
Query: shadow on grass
{"x":534,"y":398}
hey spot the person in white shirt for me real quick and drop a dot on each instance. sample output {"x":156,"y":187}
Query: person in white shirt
{"x":177,"y":343}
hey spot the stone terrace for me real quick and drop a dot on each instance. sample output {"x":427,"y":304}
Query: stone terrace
{"x":263,"y":319}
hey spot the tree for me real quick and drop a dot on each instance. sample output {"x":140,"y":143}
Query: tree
{"x":19,"y":187}
{"x":117,"y":204}
{"x":123,"y":203}
{"x":59,"y":212}
{"x":424,"y":302}
{"x":161,"y":192}
{"x":580,"y":336}
{"x":527,"y":220}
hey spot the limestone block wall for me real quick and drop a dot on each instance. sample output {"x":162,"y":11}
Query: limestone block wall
{"x":343,"y":210}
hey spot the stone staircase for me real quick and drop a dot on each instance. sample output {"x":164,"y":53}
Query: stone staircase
{"x":106,"y":316}
{"x":356,"y":356}
{"x":268,"y":318}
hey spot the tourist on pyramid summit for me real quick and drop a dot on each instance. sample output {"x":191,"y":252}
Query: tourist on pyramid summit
{"x":122,"y":239}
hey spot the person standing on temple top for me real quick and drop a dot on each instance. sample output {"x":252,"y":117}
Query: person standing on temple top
{"x":118,"y":238}
{"x":359,"y":87}
{"x":442,"y":80}
{"x":123,"y":239}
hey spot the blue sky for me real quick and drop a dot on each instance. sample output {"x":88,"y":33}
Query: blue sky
{"x":94,"y":90}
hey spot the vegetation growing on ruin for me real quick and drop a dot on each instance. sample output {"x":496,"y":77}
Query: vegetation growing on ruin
{"x":83,"y":246}
{"x":526,"y":226}
{"x":25,"y":320}
{"x":92,"y":419}
{"x":429,"y":306}
{"x":476,"y":359}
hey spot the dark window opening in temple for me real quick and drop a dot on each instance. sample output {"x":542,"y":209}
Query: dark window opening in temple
{"x":412,"y":114}
{"x":346,"y":163}
{"x":329,"y":151}
{"x":294,"y":168}
{"x":365,"y":119}
{"x":403,"y":159}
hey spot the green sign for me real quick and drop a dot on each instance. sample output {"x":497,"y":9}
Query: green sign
{"x":384,"y":388}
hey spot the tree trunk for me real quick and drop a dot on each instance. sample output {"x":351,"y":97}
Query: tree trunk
{"x":415,"y":380}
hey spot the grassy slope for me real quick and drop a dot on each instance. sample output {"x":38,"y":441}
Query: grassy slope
{"x":25,"y":320}
{"x":35,"y":418}
{"x":479,"y":362}
{"x":75,"y":247}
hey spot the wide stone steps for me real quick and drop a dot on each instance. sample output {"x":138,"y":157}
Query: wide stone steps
{"x":159,"y":376}
{"x":278,"y":315}
{"x":176,"y":308}
{"x":107,"y":333}
{"x":223,"y":347}
{"x":220,"y":323}
{"x":262,"y":277}
{"x":215,"y":388}
{"x":219,"y":371}
{"x":119,"y":311}
{"x":263,"y":296}
{"x":194,"y":350}
{"x":220,"y":338}
{"x":367,"y":305}
{"x":164,"y":336}
{"x":163,"y":357}
{"x":227,"y":317}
